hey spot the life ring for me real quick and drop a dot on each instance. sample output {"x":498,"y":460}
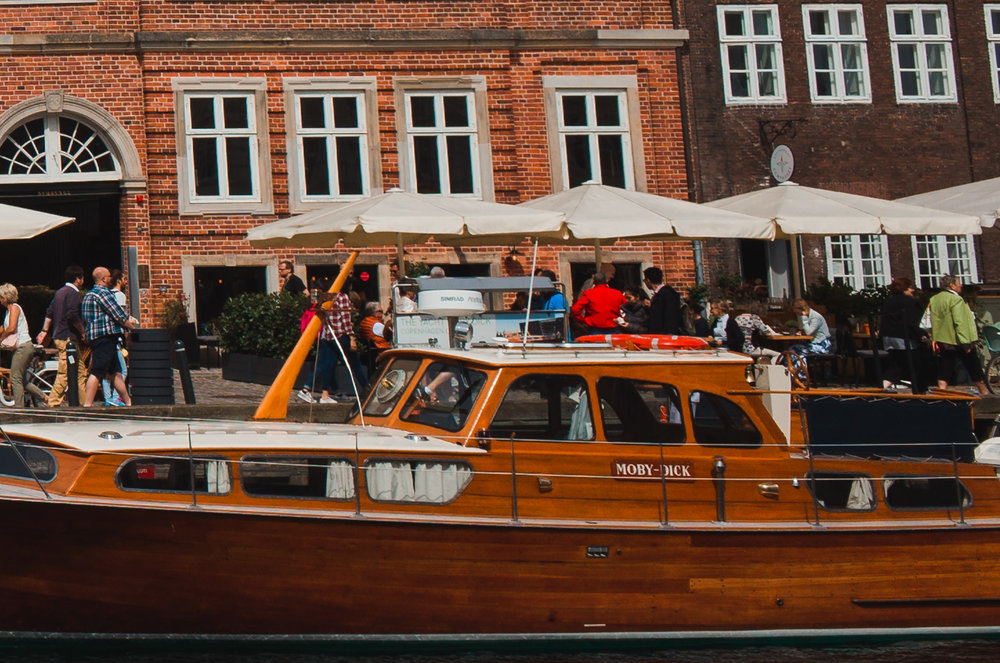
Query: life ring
{"x":647,"y":341}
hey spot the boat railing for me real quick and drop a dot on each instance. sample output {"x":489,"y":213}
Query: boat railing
{"x":645,"y":485}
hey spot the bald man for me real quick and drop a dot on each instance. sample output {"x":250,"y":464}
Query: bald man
{"x":106,"y":321}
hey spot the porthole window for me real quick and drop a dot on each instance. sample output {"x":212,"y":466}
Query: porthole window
{"x":842,"y":491}
{"x":174,"y":475}
{"x":41,"y":463}
{"x":297,"y":476}
{"x":418,"y":481}
{"x":918,"y":493}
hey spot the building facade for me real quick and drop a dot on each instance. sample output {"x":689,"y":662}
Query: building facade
{"x":170,"y":128}
{"x":886,"y":99}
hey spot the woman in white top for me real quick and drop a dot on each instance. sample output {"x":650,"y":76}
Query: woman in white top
{"x":110,"y":395}
{"x":16,"y":325}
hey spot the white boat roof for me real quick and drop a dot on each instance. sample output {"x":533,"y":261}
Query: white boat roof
{"x":578,"y":354}
{"x":152,"y":436}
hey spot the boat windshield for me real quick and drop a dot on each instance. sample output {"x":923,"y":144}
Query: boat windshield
{"x":444,"y":396}
{"x":390,"y":387}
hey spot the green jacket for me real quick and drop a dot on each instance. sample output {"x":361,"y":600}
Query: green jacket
{"x":951,"y":319}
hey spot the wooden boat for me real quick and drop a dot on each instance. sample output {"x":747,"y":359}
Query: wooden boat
{"x":564,"y":493}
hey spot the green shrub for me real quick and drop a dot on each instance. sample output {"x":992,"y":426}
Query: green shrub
{"x":266,"y":325}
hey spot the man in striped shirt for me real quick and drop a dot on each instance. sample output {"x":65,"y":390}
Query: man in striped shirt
{"x":105,"y":322}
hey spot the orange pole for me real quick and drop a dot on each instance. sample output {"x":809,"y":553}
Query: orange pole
{"x":274,"y":405}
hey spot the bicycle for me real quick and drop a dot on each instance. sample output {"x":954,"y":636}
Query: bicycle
{"x":41,"y":372}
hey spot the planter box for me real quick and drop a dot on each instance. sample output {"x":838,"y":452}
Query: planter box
{"x":258,"y":370}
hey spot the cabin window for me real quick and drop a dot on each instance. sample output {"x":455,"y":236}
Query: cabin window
{"x":906,"y":493}
{"x":444,"y":396}
{"x":173,"y":475}
{"x":41,"y":463}
{"x":544,"y":407}
{"x":719,"y":422}
{"x":418,"y":481}
{"x":390,"y":386}
{"x":297,"y":476}
{"x":842,"y":491}
{"x":640,"y":411}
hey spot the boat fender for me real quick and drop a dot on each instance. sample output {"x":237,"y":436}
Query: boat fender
{"x":647,"y":341}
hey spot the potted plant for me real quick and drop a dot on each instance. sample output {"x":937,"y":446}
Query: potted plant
{"x":257,"y":332}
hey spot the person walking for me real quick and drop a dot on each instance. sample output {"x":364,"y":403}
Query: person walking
{"x":15,"y":327}
{"x":64,"y":324}
{"x":336,"y":330}
{"x":293,"y":285}
{"x":105,"y":321}
{"x":110,"y":397}
{"x":598,"y":308}
{"x":665,"y":306}
{"x":953,"y":330}
{"x":899,"y":327}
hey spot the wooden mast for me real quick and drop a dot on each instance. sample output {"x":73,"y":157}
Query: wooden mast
{"x":274,"y":405}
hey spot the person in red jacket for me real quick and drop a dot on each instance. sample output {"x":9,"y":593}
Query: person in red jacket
{"x":599,"y":307}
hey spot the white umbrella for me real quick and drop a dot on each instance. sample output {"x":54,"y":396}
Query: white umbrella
{"x":802,"y":210}
{"x":21,"y":223}
{"x":598,"y":212}
{"x":400,"y":217}
{"x":980,"y":198}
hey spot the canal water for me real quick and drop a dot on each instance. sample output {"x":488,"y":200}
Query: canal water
{"x":946,"y":651}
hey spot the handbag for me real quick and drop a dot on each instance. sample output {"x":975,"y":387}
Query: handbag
{"x":9,"y":342}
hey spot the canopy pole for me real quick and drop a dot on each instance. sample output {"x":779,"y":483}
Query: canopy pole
{"x":401,"y":256}
{"x":274,"y":405}
{"x":796,"y":268}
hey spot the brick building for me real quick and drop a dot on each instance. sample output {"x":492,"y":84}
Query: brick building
{"x":883,"y":99}
{"x":169,"y":128}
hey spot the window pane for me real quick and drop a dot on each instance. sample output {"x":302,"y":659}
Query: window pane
{"x":238,"y":166}
{"x":544,"y":407}
{"x":852,"y":84}
{"x":206,"y":164}
{"x":733,"y":22}
{"x":234,"y":112}
{"x":578,"y":160}
{"x":823,"y":56}
{"x":574,"y":109}
{"x":851,"y":54}
{"x":639,"y":411}
{"x":762,"y":23}
{"x":426,"y":164}
{"x":422,"y":111}
{"x":836,"y":491}
{"x":303,"y":477}
{"x":719,"y":422}
{"x":456,"y":112}
{"x":903,"y":21}
{"x":766,"y":84}
{"x":607,"y":111}
{"x":737,"y":58}
{"x":995,"y":21}
{"x":907,"y":56}
{"x":313,"y":115}
{"x":847,"y":23}
{"x":317,"y":166}
{"x":739,"y":84}
{"x":349,"y":177}
{"x":819,"y":22}
{"x":765,"y":56}
{"x":932,"y":23}
{"x":938,"y":83}
{"x":459,"y":164}
{"x":444,"y":396}
{"x":824,"y":84}
{"x":202,"y":113}
{"x":345,"y":112}
{"x":612,"y":160}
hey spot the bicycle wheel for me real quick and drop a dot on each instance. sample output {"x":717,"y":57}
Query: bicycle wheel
{"x":44,"y":379}
{"x":993,"y":375}
{"x":6,"y":391}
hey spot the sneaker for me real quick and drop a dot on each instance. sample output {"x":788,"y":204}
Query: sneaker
{"x":306,"y":396}
{"x":344,"y":398}
{"x":327,"y":399}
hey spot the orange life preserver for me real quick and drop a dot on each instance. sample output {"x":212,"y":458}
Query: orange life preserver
{"x":647,"y":341}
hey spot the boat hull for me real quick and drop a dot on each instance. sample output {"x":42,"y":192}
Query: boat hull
{"x":80,"y":568}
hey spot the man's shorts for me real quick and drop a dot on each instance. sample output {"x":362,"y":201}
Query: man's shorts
{"x":104,"y":357}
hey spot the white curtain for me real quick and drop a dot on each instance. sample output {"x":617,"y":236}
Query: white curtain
{"x":340,"y":480}
{"x":439,"y":482}
{"x":390,"y":481}
{"x":217,"y":476}
{"x":581,"y":426}
{"x":861,"y":496}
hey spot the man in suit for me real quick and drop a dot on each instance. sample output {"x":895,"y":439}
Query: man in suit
{"x":665,"y":306}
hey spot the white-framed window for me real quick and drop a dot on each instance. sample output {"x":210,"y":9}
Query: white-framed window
{"x":937,"y":255}
{"x":836,"y":53}
{"x":56,"y":148}
{"x":860,"y":261}
{"x":222,"y":125}
{"x":594,"y":137}
{"x":331,"y":143}
{"x":750,"y":40}
{"x":593,"y":134}
{"x":993,"y":41}
{"x":921,"y":53}
{"x":444,"y":139}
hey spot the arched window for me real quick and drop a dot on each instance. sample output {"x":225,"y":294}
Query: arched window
{"x":56,"y":148}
